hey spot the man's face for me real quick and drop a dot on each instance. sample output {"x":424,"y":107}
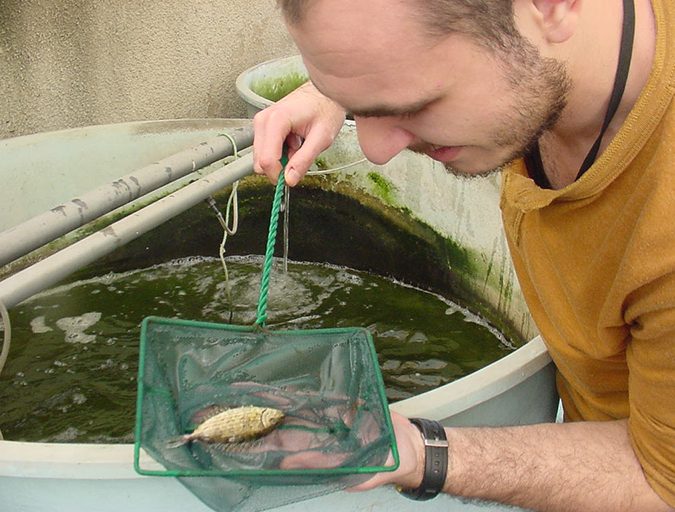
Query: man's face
{"x":468,"y":107}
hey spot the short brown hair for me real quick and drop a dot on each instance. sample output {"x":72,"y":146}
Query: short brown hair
{"x":489,"y":22}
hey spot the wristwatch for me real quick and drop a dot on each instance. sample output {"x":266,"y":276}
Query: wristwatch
{"x":435,"y":460}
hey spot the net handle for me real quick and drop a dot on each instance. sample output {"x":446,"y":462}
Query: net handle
{"x":271,"y":241}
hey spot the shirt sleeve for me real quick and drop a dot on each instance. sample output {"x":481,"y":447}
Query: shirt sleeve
{"x":651,"y":360}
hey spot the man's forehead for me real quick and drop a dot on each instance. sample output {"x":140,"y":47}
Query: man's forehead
{"x":370,"y":24}
{"x":363,"y":50}
{"x":373,"y":60}
{"x":313,"y":10}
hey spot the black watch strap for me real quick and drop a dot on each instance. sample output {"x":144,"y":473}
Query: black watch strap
{"x":435,"y":461}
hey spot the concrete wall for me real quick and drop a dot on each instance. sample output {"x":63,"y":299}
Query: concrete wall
{"x":67,"y":63}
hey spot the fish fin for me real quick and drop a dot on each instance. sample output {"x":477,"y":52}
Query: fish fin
{"x":238,"y":447}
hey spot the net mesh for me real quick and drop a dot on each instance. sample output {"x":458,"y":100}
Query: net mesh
{"x":336,"y":429}
{"x":335,"y":432}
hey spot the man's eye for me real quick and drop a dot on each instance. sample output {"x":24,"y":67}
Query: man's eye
{"x":413,"y":113}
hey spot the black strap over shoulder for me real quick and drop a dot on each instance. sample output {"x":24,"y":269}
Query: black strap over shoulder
{"x":625,"y":53}
{"x":535,"y":167}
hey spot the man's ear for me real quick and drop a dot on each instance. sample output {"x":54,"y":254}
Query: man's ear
{"x":557,"y":19}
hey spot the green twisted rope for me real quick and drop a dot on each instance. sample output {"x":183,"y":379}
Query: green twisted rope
{"x":269,"y":251}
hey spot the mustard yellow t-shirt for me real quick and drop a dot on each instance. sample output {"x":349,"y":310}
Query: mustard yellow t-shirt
{"x":596,"y":262}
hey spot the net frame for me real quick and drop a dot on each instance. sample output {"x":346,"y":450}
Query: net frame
{"x":362,"y":336}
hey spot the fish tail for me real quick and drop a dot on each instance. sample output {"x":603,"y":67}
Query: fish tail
{"x":178,"y":441}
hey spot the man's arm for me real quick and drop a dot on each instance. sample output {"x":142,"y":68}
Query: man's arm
{"x":585,"y":466}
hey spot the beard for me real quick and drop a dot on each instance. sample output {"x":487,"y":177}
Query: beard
{"x":540,"y":87}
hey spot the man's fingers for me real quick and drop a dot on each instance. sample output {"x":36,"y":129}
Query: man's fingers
{"x":302,"y":159}
{"x":312,"y":460}
{"x":271,"y":131}
{"x":293,"y":143}
{"x":303,"y":114}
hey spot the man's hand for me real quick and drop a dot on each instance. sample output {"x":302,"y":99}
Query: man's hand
{"x":586,"y":466}
{"x":306,"y":121}
{"x":411,"y":453}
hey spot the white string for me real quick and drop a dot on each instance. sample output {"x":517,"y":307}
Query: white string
{"x":287,"y":198}
{"x":233,"y":200}
{"x":232,"y":206}
{"x":336,"y":169}
{"x":7,"y":337}
{"x":6,"y":340}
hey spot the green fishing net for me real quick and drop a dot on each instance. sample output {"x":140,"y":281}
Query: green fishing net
{"x":336,"y":429}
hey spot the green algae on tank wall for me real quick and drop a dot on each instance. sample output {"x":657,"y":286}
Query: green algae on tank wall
{"x":383,"y":188}
{"x":398,"y":243}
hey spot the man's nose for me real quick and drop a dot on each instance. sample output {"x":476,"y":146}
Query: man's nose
{"x":381,"y":138}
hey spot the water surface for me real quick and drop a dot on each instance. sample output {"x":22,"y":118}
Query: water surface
{"x":71,"y":372}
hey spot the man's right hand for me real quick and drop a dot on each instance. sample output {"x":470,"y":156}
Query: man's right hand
{"x":306,"y":121}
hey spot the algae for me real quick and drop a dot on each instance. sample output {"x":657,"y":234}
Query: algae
{"x":276,"y":88}
{"x":383,"y":188}
{"x":321,"y":163}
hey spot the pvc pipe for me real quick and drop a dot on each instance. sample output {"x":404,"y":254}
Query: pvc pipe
{"x":45,"y":227}
{"x":52,"y":269}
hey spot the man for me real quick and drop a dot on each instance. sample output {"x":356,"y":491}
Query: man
{"x":584,"y":91}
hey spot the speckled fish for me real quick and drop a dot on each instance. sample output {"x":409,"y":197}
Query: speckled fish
{"x":236,"y":425}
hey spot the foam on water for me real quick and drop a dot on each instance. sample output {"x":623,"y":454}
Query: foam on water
{"x":75,"y":326}
{"x":38,"y":325}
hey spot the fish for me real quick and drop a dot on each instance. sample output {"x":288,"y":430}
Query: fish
{"x":236,"y":425}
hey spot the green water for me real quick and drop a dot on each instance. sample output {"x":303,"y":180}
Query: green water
{"x":71,"y":373}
